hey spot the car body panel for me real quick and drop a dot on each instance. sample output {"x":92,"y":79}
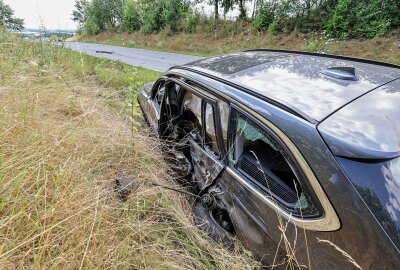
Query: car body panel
{"x":367,"y":128}
{"x":206,"y":167}
{"x":148,"y":106}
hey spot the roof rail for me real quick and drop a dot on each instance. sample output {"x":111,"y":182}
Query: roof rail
{"x":341,"y":57}
{"x":282,"y":105}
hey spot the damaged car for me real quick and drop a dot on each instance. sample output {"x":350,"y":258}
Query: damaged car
{"x":296,"y":154}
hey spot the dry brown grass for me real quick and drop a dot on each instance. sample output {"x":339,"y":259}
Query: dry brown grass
{"x":223,"y":40}
{"x":61,"y":146}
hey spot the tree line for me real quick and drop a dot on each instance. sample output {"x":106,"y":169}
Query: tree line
{"x":334,"y":18}
{"x":7,"y":18}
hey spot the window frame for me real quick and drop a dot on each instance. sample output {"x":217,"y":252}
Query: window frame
{"x":205,"y":98}
{"x":218,"y":128}
{"x":181,"y":108}
{"x":162,"y":82}
{"x":292,"y":162}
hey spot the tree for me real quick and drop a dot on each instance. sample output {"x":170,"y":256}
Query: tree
{"x":7,"y":18}
{"x":101,"y":15}
{"x":79,"y":14}
{"x":216,"y":4}
{"x":131,"y":20}
{"x":242,"y":9}
{"x":230,"y":4}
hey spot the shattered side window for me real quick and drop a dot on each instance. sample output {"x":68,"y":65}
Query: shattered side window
{"x":258,"y":157}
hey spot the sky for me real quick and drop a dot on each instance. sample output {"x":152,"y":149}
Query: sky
{"x":55,"y":14}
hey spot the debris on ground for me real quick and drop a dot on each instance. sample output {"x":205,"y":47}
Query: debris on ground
{"x":124,"y":186}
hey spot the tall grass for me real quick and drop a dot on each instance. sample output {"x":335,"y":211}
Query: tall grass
{"x":65,"y":135}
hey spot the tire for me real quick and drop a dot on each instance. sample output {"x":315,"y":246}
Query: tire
{"x":204,"y":218}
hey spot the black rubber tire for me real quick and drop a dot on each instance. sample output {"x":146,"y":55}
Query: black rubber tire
{"x":204,"y":219}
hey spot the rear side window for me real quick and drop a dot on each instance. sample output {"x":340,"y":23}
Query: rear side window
{"x":258,"y":156}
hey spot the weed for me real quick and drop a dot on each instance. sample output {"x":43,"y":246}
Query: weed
{"x":62,"y":146}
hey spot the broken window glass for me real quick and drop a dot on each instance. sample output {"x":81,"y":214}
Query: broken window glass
{"x":260,"y":158}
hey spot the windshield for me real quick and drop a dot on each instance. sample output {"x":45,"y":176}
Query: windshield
{"x":379,"y":185}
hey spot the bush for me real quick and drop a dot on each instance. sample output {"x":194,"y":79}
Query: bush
{"x":153,"y":16}
{"x":264,"y":17}
{"x":131,"y":19}
{"x":364,"y":18}
{"x":173,"y":13}
{"x":273,"y":28}
{"x":90,"y":28}
{"x":190,"y":22}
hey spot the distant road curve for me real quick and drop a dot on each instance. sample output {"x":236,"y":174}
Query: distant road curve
{"x":160,"y":61}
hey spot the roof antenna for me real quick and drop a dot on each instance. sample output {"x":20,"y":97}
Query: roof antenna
{"x":342,"y":73}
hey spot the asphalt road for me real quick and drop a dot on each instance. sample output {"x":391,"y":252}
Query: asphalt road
{"x":160,"y":61}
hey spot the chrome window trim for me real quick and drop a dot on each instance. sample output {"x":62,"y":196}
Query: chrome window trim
{"x":329,"y":221}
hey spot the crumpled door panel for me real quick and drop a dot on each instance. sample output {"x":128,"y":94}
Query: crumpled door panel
{"x":206,"y":166}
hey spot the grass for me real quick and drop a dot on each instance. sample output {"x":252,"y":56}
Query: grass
{"x":67,"y":130}
{"x":225,"y":40}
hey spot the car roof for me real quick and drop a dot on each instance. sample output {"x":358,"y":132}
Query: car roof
{"x":297,"y":80}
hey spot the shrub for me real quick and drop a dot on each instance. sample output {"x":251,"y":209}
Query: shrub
{"x":173,"y":13}
{"x":364,"y":18}
{"x":131,"y":19}
{"x":153,"y":16}
{"x":273,"y":28}
{"x":91,"y":28}
{"x":190,"y":22}
{"x":264,"y":17}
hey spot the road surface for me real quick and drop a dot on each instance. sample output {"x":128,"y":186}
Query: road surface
{"x":160,"y":61}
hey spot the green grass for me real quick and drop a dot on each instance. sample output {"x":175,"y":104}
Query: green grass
{"x":67,"y":130}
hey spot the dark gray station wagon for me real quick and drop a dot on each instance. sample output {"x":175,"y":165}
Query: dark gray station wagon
{"x":297,"y":154}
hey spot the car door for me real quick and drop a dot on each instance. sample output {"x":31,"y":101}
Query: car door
{"x":266,"y":191}
{"x":204,"y":135}
{"x":153,"y":104}
{"x":207,"y":157}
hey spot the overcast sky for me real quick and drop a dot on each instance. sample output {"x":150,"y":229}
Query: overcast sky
{"x":55,"y":14}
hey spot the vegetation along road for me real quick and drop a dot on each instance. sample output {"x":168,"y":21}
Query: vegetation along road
{"x":160,"y":61}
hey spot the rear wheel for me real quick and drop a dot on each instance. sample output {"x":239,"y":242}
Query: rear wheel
{"x":215,"y":222}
